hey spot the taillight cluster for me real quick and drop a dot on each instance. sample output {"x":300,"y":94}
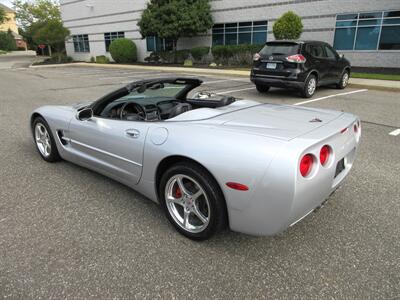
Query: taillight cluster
{"x":297,"y":58}
{"x":307,"y":161}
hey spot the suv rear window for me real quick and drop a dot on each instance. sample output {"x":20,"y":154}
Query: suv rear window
{"x":279,"y":49}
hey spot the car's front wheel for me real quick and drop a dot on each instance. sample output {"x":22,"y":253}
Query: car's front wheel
{"x":44,"y":140}
{"x":309,"y":86}
{"x":344,"y":80}
{"x":192,"y":201}
{"x":262,"y":88}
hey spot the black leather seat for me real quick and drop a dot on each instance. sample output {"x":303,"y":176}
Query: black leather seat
{"x":178,"y":109}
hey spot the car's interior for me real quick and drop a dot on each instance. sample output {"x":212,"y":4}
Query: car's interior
{"x":157,"y":100}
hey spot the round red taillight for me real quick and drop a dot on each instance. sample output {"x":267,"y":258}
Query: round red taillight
{"x":306,"y":164}
{"x":324,"y":155}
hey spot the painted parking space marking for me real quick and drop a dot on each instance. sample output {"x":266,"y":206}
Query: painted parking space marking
{"x":395,"y":132}
{"x":330,"y":96}
{"x":234,"y":91}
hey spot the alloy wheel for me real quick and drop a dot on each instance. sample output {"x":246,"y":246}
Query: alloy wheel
{"x":42,"y":139}
{"x":187,"y":203}
{"x":312,"y":84}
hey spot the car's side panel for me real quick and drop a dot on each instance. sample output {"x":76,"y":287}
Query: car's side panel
{"x":113,"y":145}
{"x":227,"y":155}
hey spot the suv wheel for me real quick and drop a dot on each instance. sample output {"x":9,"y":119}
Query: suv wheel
{"x":344,"y":80}
{"x":309,"y":87}
{"x":262,"y":88}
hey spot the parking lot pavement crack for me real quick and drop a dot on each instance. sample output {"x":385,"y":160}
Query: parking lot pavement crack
{"x":380,"y":124}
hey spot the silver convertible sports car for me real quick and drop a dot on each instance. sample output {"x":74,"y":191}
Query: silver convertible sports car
{"x":209,"y":160}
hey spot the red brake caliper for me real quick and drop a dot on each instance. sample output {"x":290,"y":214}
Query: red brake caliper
{"x":178,"y":192}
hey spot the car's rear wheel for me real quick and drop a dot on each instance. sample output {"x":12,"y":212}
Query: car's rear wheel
{"x":44,"y":140}
{"x":344,"y":80}
{"x":309,"y":86}
{"x":192,"y":201}
{"x":262,"y":88}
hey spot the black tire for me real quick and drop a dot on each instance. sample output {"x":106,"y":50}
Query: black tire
{"x":308,"y":92}
{"x":344,"y":80}
{"x":262,"y":88}
{"x":217,"y":209}
{"x":53,"y":156}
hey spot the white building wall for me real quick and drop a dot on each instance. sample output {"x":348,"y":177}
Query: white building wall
{"x":95,"y":17}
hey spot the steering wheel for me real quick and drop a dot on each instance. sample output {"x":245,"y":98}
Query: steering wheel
{"x":132,"y":111}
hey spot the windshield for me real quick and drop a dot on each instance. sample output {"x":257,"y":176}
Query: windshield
{"x":155,"y":93}
{"x":279,"y":49}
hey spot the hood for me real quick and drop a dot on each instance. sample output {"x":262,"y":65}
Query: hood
{"x":277,"y":121}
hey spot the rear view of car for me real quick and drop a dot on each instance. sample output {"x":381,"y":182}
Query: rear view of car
{"x":301,"y":65}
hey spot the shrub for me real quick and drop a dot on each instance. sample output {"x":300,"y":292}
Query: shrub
{"x":92,"y":59}
{"x":7,"y":42}
{"x":59,"y":58}
{"x":175,"y":56}
{"x":198,"y":53}
{"x":188,"y":63}
{"x":235,"y":54}
{"x":153,"y":57}
{"x":123,"y":51}
{"x":288,"y":27}
{"x":102,"y":59}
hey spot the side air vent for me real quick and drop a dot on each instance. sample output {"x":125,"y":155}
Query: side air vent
{"x":63,"y":140}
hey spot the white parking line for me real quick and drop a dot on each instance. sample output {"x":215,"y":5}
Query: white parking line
{"x":216,"y":81}
{"x":130,"y":76}
{"x":234,"y":91}
{"x":395,"y":132}
{"x":330,"y":96}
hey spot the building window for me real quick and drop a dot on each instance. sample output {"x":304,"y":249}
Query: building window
{"x":240,"y":33}
{"x":368,"y":31}
{"x":81,"y":43}
{"x":110,"y":36}
{"x":157,"y":44}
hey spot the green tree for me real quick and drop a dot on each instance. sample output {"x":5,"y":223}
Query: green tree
{"x":173,"y":19}
{"x":3,"y":17}
{"x":53,"y":34}
{"x":7,"y":41}
{"x":36,"y":18}
{"x":288,"y":27}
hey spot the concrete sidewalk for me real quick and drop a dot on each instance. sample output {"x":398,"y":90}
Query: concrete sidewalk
{"x":354,"y":82}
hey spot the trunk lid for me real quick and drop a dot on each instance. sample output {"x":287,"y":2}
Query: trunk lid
{"x":277,"y":121}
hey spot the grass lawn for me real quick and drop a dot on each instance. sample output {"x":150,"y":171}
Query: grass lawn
{"x":375,"y":76}
{"x":2,"y":52}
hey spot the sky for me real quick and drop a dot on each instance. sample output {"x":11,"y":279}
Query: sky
{"x":6,"y":3}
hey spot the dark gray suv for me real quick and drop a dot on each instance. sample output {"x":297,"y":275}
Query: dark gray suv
{"x":302,"y":65}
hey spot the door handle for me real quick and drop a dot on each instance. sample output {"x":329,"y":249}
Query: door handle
{"x":132,"y":133}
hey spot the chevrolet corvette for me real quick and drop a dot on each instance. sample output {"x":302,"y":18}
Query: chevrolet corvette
{"x":209,"y":160}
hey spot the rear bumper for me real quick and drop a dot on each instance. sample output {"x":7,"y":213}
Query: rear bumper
{"x":283,"y":197}
{"x":276,"y":81}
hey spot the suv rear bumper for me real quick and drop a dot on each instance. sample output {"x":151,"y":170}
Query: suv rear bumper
{"x":276,"y":82}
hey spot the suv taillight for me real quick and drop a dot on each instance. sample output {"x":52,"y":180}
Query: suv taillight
{"x":297,"y":58}
{"x":256,"y":57}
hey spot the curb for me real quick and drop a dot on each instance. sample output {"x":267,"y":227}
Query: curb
{"x":220,"y":72}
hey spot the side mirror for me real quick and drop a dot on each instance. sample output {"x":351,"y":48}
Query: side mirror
{"x":85,"y":114}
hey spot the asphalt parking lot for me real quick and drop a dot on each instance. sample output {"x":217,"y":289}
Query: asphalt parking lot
{"x":66,"y":232}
